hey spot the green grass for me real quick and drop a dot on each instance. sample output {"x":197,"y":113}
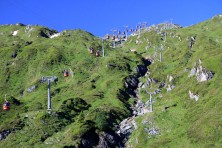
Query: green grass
{"x":91,"y":100}
{"x":96,"y":84}
{"x":189,"y":123}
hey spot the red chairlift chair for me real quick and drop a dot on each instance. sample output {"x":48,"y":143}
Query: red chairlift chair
{"x":6,"y":105}
{"x":65,"y":73}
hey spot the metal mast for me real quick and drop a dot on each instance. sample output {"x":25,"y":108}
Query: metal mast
{"x":49,"y":96}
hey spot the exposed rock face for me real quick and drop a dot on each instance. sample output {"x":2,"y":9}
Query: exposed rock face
{"x":201,"y":73}
{"x":141,"y":70}
{"x":193,"y":96}
{"x":107,"y":139}
{"x":128,"y":125}
{"x":131,"y":83}
{"x":4,"y":134}
{"x":140,"y":108}
{"x":55,"y":35}
{"x":169,"y":78}
{"x":19,"y":24}
{"x":15,"y":33}
{"x":126,"y":128}
{"x":102,"y":140}
{"x":170,"y":87}
{"x":151,"y":131}
{"x":148,"y":81}
{"x":193,"y":72}
{"x":31,"y":89}
{"x":192,"y":41}
{"x":89,"y":139}
{"x":29,"y":28}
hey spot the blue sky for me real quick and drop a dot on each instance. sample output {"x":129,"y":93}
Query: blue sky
{"x":101,"y":16}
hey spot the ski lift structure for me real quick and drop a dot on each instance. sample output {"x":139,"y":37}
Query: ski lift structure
{"x":119,"y":35}
{"x":114,"y":36}
{"x":50,"y":79}
{"x":103,"y":50}
{"x":125,"y":32}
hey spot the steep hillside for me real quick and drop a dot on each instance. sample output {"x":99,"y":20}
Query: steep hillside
{"x":90,"y":100}
{"x":120,"y":99}
{"x":185,"y":87}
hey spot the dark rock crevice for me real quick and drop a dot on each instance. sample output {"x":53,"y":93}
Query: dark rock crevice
{"x":131,"y":83}
{"x":110,"y":138}
{"x":104,"y":139}
{"x":4,"y":134}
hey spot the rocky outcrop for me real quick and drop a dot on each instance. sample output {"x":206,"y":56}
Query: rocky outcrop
{"x":201,"y":73}
{"x":169,"y":86}
{"x":152,"y":131}
{"x":31,"y":89}
{"x":140,"y":108}
{"x":89,"y":139}
{"x":126,"y":127}
{"x":132,"y":84}
{"x":4,"y":134}
{"x":193,"y":96}
{"x":141,"y":70}
{"x":107,"y":139}
{"x":103,"y":139}
{"x":192,"y":40}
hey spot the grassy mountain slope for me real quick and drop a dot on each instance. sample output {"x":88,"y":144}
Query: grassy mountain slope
{"x":183,"y":122}
{"x":93,"y":101}
{"x":87,"y":102}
